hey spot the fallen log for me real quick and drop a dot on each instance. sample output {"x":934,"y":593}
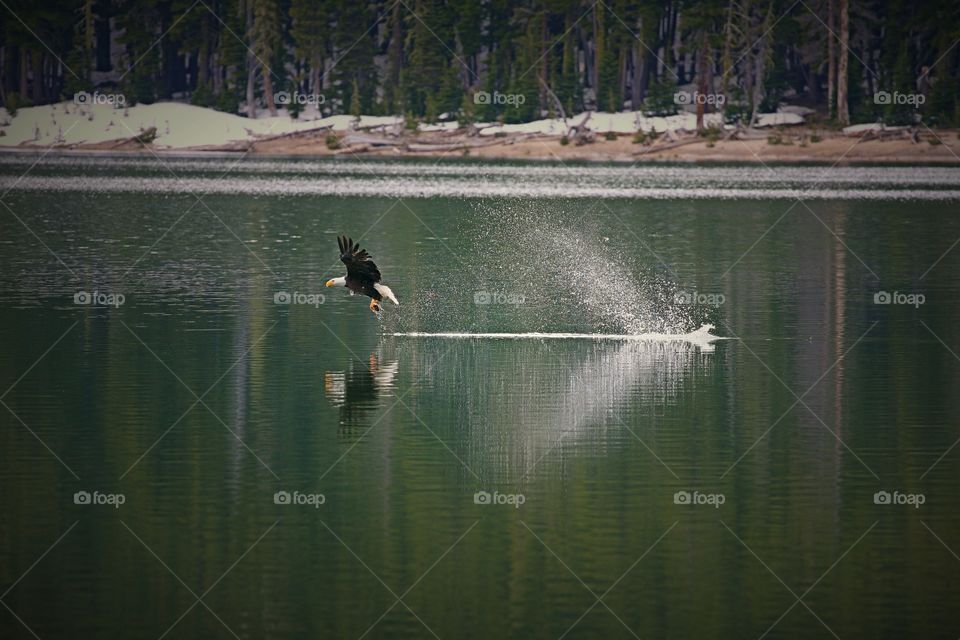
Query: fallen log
{"x":673,"y":144}
{"x":143,"y":138}
{"x":363,"y":148}
{"x":373,"y":141}
{"x":420,"y":147}
{"x":306,"y":133}
{"x":579,"y":134}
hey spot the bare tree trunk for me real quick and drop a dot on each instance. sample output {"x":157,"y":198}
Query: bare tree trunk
{"x":24,"y":71}
{"x":622,"y":76}
{"x":268,"y":91}
{"x":556,"y":101}
{"x":203,"y":55}
{"x":831,"y":58}
{"x":37,"y":87}
{"x":843,"y":109}
{"x":726,"y":60}
{"x":315,"y":67}
{"x":703,"y":70}
{"x":760,"y":73}
{"x":4,"y":61}
{"x":251,"y":69}
{"x":217,"y":72}
{"x":544,"y":61}
{"x":598,"y":43}
{"x":251,"y":97}
{"x":758,"y":88}
{"x":636,"y":89}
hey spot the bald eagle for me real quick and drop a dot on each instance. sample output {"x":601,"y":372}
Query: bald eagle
{"x":362,"y":277}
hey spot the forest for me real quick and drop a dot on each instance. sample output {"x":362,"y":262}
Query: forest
{"x":429,"y":59}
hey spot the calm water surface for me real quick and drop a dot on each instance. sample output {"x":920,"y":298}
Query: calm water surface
{"x":200,"y":398}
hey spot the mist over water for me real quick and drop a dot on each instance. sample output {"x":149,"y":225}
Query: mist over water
{"x":535,"y":266}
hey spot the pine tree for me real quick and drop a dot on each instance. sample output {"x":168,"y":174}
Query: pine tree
{"x":141,"y":24}
{"x":427,"y":55}
{"x":898,"y":111}
{"x":231,"y":56}
{"x":354,"y":56}
{"x":309,"y":30}
{"x":265,"y":38}
{"x":355,"y":109}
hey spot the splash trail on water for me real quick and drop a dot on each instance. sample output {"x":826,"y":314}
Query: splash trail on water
{"x":701,"y":337}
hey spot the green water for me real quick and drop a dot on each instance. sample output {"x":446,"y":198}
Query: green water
{"x":199,"y":398}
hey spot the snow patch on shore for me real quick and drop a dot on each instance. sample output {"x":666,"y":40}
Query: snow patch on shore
{"x":184,"y":126}
{"x":179,"y":126}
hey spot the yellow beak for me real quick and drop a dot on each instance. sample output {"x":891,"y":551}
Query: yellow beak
{"x":329,"y":283}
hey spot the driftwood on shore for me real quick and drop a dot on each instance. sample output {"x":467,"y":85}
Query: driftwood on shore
{"x":142,"y":139}
{"x":363,"y":148}
{"x":881,"y":132}
{"x":580,"y":134}
{"x":361,"y":143}
{"x":369,"y":141}
{"x":307,"y":134}
{"x":670,"y":140}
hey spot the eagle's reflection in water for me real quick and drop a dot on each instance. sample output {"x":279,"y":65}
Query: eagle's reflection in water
{"x":358,"y":393}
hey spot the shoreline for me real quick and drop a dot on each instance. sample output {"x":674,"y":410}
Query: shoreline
{"x":834,"y":150}
{"x":171,"y":128}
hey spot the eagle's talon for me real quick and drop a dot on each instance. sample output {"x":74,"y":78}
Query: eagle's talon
{"x":374,"y":306}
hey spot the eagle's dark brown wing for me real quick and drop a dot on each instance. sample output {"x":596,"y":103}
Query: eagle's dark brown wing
{"x":360,"y":267}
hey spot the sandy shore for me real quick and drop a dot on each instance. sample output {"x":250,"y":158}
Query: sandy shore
{"x":177,"y":128}
{"x":794,"y":146}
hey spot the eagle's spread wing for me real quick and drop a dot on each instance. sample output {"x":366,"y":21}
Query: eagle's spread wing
{"x":359,"y":265}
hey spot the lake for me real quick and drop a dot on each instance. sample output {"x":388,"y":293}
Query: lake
{"x":199,"y":439}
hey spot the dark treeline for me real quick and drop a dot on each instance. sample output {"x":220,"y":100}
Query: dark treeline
{"x":426,"y":58}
